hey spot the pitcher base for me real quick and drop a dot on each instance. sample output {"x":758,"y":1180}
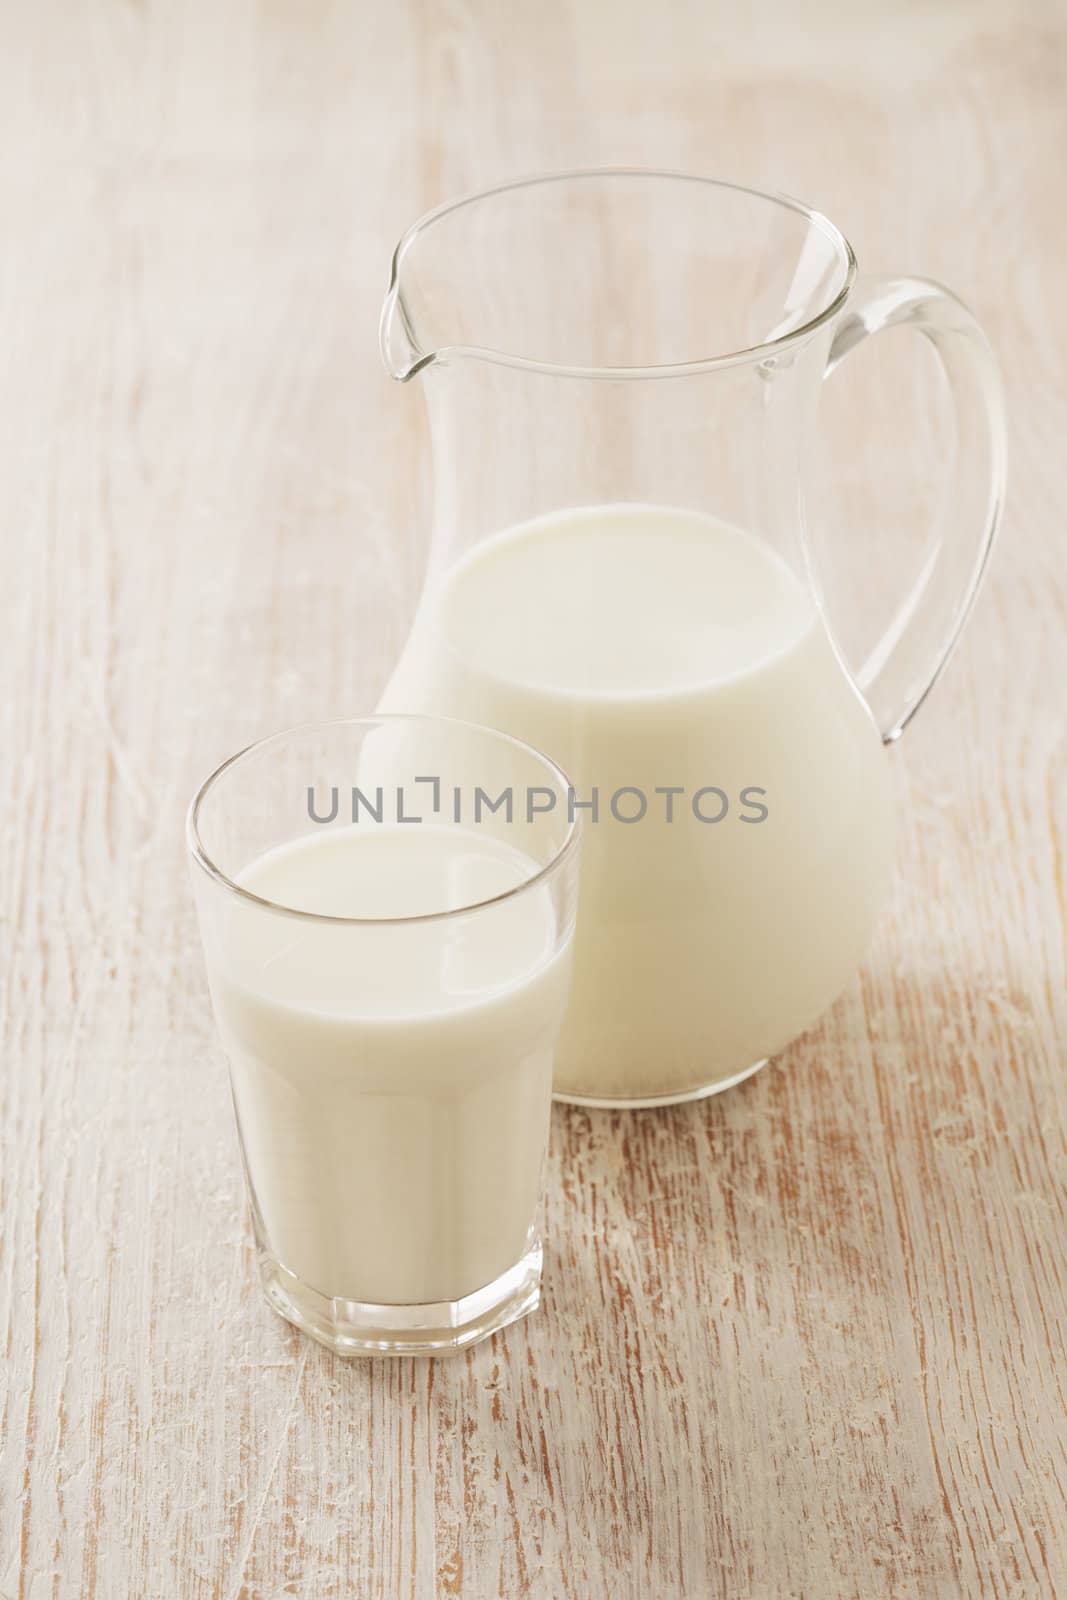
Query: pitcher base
{"x":703,"y":1091}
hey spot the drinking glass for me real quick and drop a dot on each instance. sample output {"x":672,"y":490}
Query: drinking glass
{"x":387,"y":907}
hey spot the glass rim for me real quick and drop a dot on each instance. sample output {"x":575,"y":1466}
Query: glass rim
{"x":202,"y":858}
{"x":846,"y":261}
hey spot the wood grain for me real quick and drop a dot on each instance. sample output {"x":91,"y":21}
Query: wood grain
{"x":808,"y":1340}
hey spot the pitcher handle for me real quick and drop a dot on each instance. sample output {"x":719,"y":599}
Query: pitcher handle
{"x":906,"y":662}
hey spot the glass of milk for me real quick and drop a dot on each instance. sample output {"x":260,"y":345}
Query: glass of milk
{"x":387,"y":908}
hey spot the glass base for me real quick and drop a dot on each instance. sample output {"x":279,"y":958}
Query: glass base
{"x":355,"y":1328}
{"x":607,"y":1102}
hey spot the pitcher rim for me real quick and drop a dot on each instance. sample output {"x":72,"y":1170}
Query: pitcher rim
{"x":750,"y":354}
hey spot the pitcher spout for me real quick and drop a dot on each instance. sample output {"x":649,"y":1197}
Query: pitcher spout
{"x":400,"y":351}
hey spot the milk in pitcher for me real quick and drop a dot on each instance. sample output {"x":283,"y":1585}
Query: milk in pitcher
{"x":657,"y":653}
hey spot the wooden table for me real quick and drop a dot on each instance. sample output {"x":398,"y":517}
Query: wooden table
{"x":806,"y":1340}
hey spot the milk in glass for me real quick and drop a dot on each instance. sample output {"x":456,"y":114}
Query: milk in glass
{"x":392,"y":1083}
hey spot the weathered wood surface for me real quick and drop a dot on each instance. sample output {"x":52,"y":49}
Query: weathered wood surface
{"x":808,"y":1340}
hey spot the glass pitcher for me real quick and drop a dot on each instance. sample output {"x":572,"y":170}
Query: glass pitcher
{"x":622,"y":371}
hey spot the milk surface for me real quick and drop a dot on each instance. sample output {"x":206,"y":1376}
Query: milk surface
{"x":646,"y":647}
{"x":392,"y":1082}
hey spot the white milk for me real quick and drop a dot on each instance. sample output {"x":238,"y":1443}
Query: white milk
{"x":648,"y":647}
{"x":392,"y":1084}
